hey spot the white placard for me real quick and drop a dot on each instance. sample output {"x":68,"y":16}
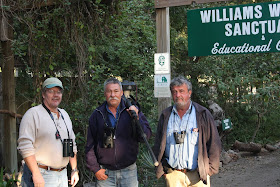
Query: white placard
{"x":161,"y":85}
{"x":162,"y":63}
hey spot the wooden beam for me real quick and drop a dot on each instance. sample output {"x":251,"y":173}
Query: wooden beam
{"x":163,"y":46}
{"x":40,"y":4}
{"x":18,"y":5}
{"x":163,"y":30}
{"x":12,"y":114}
{"x":8,"y":88}
{"x":171,"y":3}
{"x":251,"y":147}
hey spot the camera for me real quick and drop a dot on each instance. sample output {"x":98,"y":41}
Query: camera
{"x":128,"y":86}
{"x":108,"y":138}
{"x":179,"y":137}
{"x":68,"y":148}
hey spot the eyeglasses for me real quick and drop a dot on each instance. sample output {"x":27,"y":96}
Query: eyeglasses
{"x":54,"y":92}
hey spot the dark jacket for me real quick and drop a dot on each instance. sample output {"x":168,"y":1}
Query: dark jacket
{"x":125,"y":150}
{"x":209,"y":144}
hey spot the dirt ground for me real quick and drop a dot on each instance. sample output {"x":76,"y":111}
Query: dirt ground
{"x":260,"y":170}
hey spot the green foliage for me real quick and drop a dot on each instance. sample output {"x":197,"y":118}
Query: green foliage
{"x":146,"y":169}
{"x":7,"y":182}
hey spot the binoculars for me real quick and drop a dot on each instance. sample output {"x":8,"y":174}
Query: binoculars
{"x":108,"y":137}
{"x":179,"y":137}
{"x":68,"y":148}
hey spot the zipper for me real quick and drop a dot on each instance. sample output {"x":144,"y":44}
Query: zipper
{"x":115,"y":136}
{"x":115,"y":150}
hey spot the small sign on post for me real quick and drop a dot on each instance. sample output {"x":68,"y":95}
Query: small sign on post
{"x":226,"y":124}
{"x":161,"y":85}
{"x":162,"y":75}
{"x":162,"y":63}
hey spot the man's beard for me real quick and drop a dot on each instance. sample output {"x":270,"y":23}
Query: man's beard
{"x":181,"y":103}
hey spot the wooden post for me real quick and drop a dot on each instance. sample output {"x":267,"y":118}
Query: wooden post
{"x":8,"y":87}
{"x":163,"y":45}
{"x":1,"y":125}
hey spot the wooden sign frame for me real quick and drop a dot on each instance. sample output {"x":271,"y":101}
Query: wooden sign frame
{"x":171,"y":3}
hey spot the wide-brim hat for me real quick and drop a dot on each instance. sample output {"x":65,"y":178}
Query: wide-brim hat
{"x":52,"y":82}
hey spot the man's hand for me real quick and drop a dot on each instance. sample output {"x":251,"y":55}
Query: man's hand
{"x":132,"y":107}
{"x":100,"y":175}
{"x":37,"y":177}
{"x":38,"y":180}
{"x":74,"y":178}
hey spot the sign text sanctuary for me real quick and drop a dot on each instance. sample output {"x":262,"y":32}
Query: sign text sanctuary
{"x":253,"y":28}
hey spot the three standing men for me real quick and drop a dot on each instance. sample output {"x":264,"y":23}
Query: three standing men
{"x":187,"y":143}
{"x":112,"y":147}
{"x":45,"y":131}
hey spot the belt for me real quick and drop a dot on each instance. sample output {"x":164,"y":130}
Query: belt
{"x":49,"y":168}
{"x":183,"y":170}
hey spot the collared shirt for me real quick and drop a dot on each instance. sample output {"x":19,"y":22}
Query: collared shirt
{"x":112,"y":118}
{"x":184,"y":155}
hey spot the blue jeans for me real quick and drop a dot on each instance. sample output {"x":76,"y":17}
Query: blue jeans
{"x":126,"y":177}
{"x":52,"y":178}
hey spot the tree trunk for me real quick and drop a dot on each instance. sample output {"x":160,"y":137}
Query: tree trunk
{"x":8,"y":85}
{"x":257,"y":128}
{"x":250,"y":147}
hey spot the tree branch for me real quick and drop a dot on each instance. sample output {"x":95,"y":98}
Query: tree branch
{"x":11,"y":113}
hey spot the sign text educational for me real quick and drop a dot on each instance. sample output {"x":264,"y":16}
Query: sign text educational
{"x":251,"y":28}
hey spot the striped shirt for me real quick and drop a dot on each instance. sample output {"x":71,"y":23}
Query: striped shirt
{"x":184,"y":155}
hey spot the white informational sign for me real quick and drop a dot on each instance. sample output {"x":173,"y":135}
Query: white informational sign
{"x":161,"y":85}
{"x":162,"y":63}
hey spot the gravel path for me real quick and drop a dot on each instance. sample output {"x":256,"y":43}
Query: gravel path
{"x":262,"y":170}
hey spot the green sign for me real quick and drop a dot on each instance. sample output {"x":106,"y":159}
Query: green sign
{"x":226,"y":124}
{"x":250,"y":28}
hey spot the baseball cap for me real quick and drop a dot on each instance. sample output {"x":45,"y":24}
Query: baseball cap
{"x":52,"y":82}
